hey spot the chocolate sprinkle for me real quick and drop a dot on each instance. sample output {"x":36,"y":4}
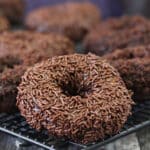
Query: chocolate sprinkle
{"x":118,"y":33}
{"x":72,"y":19}
{"x":133,"y":65}
{"x":21,"y":49}
{"x":77,"y":97}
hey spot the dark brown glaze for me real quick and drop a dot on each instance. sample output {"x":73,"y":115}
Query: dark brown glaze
{"x":19,"y":50}
{"x":77,"y":97}
{"x":133,"y":65}
{"x":72,"y":19}
{"x":118,"y":33}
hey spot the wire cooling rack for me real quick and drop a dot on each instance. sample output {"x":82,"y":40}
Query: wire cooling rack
{"x":16,"y":125}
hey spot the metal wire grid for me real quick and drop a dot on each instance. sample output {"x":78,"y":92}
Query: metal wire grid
{"x":16,"y":125}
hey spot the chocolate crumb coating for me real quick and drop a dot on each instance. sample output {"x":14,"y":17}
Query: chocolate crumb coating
{"x":4,"y":24}
{"x":9,"y":80}
{"x":72,"y":19}
{"x":12,"y":9}
{"x":77,"y":97}
{"x":133,"y":65}
{"x":115,"y":33}
{"x":21,"y":49}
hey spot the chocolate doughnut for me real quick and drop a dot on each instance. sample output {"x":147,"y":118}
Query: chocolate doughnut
{"x":12,"y":9}
{"x":117,"y":33}
{"x":72,"y":19}
{"x":4,"y":24}
{"x":133,"y":65}
{"x":77,"y":97}
{"x":18,"y":50}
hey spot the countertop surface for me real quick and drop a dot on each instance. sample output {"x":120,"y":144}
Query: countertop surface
{"x":135,"y":141}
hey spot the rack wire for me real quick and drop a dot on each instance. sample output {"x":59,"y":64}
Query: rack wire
{"x":16,"y":125}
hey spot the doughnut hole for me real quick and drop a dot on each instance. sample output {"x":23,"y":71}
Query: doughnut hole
{"x":74,"y":85}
